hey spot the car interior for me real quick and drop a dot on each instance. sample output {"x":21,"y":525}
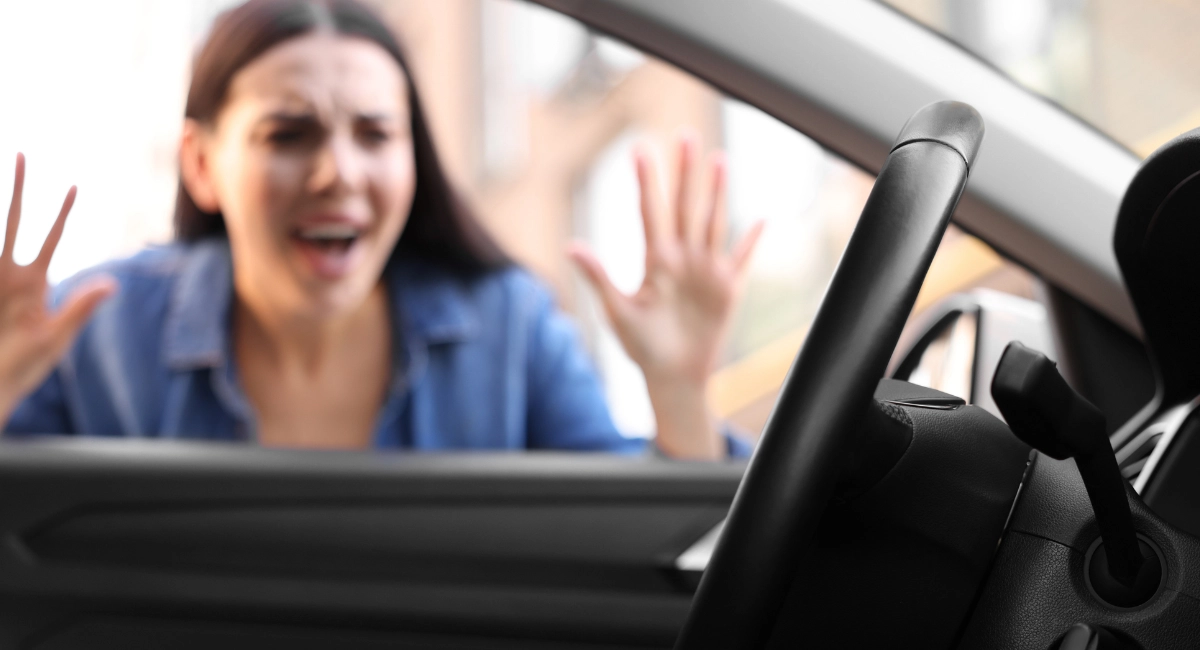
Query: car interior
{"x":1055,"y":508}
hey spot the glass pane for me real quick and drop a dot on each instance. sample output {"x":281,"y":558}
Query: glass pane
{"x":535,"y":119}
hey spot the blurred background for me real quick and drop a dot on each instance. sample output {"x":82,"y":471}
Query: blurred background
{"x":1128,"y":68}
{"x":536,"y":119}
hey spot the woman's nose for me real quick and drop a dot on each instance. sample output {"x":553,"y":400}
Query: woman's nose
{"x":338,"y":167}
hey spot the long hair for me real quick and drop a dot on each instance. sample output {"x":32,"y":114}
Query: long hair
{"x":440,"y":227}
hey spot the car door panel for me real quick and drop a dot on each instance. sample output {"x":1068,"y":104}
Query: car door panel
{"x":128,"y":537}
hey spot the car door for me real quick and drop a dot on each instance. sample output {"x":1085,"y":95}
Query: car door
{"x":135,"y":545}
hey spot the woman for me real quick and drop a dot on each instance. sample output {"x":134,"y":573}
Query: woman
{"x":327,"y":290}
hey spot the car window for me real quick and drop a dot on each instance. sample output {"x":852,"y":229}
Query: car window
{"x":553,"y":94}
{"x":1125,"y":67}
{"x":535,"y":118}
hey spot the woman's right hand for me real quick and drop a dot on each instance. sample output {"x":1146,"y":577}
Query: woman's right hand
{"x":32,"y":339}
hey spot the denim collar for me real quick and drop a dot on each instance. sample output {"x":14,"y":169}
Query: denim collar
{"x":429,"y":306}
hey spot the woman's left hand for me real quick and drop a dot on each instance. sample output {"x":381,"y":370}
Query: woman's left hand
{"x":676,"y":324}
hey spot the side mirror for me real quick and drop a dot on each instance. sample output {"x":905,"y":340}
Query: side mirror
{"x":943,"y":357}
{"x":955,"y":345}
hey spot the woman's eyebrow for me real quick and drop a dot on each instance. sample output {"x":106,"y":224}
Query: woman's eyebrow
{"x":306,"y":118}
{"x":284,"y":116}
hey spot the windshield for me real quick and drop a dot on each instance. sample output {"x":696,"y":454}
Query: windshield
{"x":1125,"y":67}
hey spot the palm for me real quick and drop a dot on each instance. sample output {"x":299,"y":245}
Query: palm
{"x":32,"y":338}
{"x":675,"y":324}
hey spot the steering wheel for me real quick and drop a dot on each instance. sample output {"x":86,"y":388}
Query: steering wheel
{"x":792,"y":476}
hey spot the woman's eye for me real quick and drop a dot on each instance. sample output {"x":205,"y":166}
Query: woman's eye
{"x":285,"y":136}
{"x":375,"y":136}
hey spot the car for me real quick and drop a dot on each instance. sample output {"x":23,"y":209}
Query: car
{"x":875,"y":511}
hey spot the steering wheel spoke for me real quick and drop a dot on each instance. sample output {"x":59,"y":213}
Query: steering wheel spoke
{"x":801,"y":453}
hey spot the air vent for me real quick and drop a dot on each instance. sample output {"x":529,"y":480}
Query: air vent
{"x":1132,"y":457}
{"x":1140,"y":455}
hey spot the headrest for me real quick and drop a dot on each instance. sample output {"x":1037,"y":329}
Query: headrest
{"x":1157,"y":242}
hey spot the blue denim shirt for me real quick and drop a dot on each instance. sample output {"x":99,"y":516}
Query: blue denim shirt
{"x":482,"y":364}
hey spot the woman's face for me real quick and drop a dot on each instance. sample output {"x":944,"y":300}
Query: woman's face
{"x":310,"y":161}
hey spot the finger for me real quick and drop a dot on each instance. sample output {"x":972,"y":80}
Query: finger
{"x":685,"y":207}
{"x":79,"y":307}
{"x":714,"y":235}
{"x":744,"y":249}
{"x":651,"y":197}
{"x":14,"y":209}
{"x":48,"y":246}
{"x":610,"y":296}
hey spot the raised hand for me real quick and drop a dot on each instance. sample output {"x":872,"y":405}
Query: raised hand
{"x":675,"y":325}
{"x":32,"y":338}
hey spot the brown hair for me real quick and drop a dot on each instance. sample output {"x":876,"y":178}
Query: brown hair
{"x":440,"y":227}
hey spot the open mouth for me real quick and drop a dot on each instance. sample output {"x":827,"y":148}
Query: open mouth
{"x":327,"y":248}
{"x":331,"y":238}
